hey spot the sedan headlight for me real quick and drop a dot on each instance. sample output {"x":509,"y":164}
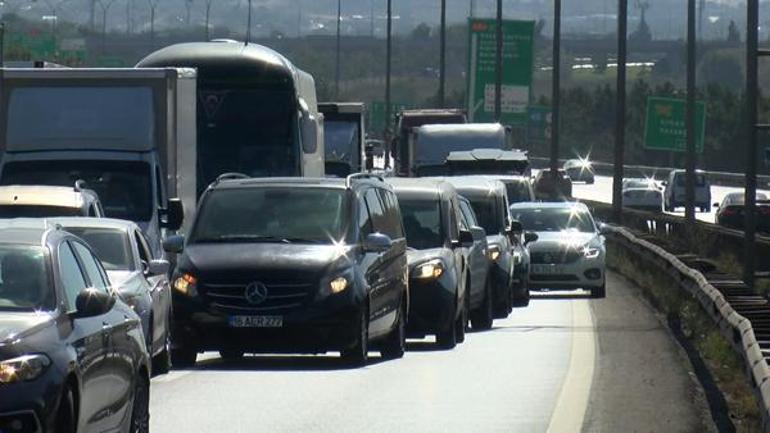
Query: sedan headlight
{"x":23,"y":368}
{"x":429,"y":270}
{"x":493,"y":252}
{"x":186,"y":284}
{"x":591,"y":252}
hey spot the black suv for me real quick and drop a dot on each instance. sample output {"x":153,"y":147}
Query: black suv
{"x":293,"y":265}
{"x":505,"y":238}
{"x":438,"y":272}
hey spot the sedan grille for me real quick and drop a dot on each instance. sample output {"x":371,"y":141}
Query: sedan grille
{"x":257,"y":297}
{"x":555,"y":257}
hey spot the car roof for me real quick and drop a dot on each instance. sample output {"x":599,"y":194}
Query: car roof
{"x":474,"y":186}
{"x":305,"y":182}
{"x":487,"y":154}
{"x":549,"y":205}
{"x":10,"y":234}
{"x":90,"y":222}
{"x":421,"y":187}
{"x":44,"y":195}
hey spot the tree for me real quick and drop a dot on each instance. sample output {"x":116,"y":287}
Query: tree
{"x":105,"y":5}
{"x":421,"y":32}
{"x":733,"y":34}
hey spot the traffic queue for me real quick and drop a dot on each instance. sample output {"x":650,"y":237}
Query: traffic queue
{"x":105,"y":281}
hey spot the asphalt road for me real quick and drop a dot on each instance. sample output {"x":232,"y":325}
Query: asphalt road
{"x":565,"y":364}
{"x":601,"y":191}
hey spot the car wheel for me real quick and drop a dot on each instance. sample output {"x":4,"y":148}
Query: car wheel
{"x":140,"y":412}
{"x":161,"y":363}
{"x":447,"y":339}
{"x":505,"y":305}
{"x":65,"y":416}
{"x":395,"y":345}
{"x":358,"y":355}
{"x":183,"y":357}
{"x":481,"y":319}
{"x":460,"y":324}
{"x":599,"y":292}
{"x":523,"y":299}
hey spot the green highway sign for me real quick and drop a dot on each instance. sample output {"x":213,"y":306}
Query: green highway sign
{"x":665,"y":127}
{"x":518,"y":61}
{"x":538,"y":124}
{"x":376,"y":114}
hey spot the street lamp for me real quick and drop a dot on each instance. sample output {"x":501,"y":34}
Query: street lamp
{"x":442,"y":66}
{"x":337,"y":64}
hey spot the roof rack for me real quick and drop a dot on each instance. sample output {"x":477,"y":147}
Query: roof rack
{"x":231,"y":176}
{"x":355,"y":176}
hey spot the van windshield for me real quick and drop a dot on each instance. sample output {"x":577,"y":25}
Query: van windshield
{"x":250,"y":131}
{"x":272,"y":214}
{"x":124,"y":188}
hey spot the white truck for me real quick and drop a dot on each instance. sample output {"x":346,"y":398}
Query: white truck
{"x":128,"y":133}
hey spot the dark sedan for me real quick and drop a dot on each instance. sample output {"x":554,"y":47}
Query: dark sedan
{"x":72,"y":355}
{"x":731,"y":212}
{"x":438,"y":278}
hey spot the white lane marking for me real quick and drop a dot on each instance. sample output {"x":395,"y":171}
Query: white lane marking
{"x":572,"y":404}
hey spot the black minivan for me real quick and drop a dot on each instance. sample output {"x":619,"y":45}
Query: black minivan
{"x":293,"y":265}
{"x":439,"y":279}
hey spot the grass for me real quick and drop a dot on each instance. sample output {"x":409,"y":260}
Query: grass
{"x":724,"y":364}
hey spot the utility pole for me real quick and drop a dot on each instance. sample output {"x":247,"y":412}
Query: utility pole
{"x":442,"y":66}
{"x":752,"y":88}
{"x":337,"y":63}
{"x":620,"y":112}
{"x":499,"y":62}
{"x":472,"y":11}
{"x":690,"y":121}
{"x":208,"y":19}
{"x":248,"y":26}
{"x":555,"y":88}
{"x":388,"y":47}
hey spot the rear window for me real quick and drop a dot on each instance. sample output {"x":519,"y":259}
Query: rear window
{"x":681,"y":179}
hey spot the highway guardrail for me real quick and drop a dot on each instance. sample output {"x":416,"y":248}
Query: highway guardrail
{"x":734,"y":310}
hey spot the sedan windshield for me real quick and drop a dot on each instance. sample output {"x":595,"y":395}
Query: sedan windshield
{"x":110,"y":245}
{"x":554,"y":219}
{"x":272,"y":214}
{"x":24,"y":283}
{"x":422,"y":223}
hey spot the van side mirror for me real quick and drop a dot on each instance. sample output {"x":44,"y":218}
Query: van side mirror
{"x":377,"y":243}
{"x":516,"y":227}
{"x":174,"y":244}
{"x":157,"y":267}
{"x":173,"y":216}
{"x":466,"y":238}
{"x":530,"y":237}
{"x":309,"y":128}
{"x":91,"y":302}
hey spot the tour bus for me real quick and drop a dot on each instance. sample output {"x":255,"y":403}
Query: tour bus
{"x":257,"y":112}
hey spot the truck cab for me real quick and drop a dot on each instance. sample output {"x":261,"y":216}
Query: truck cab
{"x":344,"y":137}
{"x":122,"y":131}
{"x":407,"y":120}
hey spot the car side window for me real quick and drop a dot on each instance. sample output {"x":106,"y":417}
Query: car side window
{"x":454,"y":224}
{"x":364,"y":220}
{"x":376,"y":212}
{"x":91,"y":266}
{"x":144,"y":250}
{"x":71,"y":275}
{"x":392,"y":217}
{"x":470,"y":217}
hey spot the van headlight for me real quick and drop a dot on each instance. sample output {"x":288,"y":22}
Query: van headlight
{"x":493,"y":252}
{"x":429,"y":270}
{"x":591,"y":252}
{"x":186,"y":284}
{"x":23,"y":368}
{"x":337,"y":282}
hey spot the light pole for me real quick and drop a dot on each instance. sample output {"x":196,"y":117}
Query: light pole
{"x":388,"y":47}
{"x":208,"y":19}
{"x":556,"y":88}
{"x":105,"y":5}
{"x":499,"y":62}
{"x":620,"y":111}
{"x":337,"y":61}
{"x":690,"y":121}
{"x":442,"y":66}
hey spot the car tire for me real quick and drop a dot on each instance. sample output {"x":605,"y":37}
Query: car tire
{"x":504,"y":307}
{"x":462,"y":321}
{"x":183,"y":358}
{"x":599,"y":292}
{"x":481,"y":319}
{"x":161,"y":363}
{"x":447,"y":339}
{"x":66,"y":418}
{"x":522,"y":301}
{"x":394,"y":345}
{"x":358,"y":355}
{"x":231,"y":355}
{"x":140,"y":410}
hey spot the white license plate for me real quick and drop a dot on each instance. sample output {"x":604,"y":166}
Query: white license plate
{"x":547,"y":269}
{"x":256,"y":321}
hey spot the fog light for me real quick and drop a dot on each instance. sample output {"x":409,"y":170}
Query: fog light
{"x":593,"y":274}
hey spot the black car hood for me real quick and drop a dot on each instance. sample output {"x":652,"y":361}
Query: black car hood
{"x":14,"y":326}
{"x":281,"y":261}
